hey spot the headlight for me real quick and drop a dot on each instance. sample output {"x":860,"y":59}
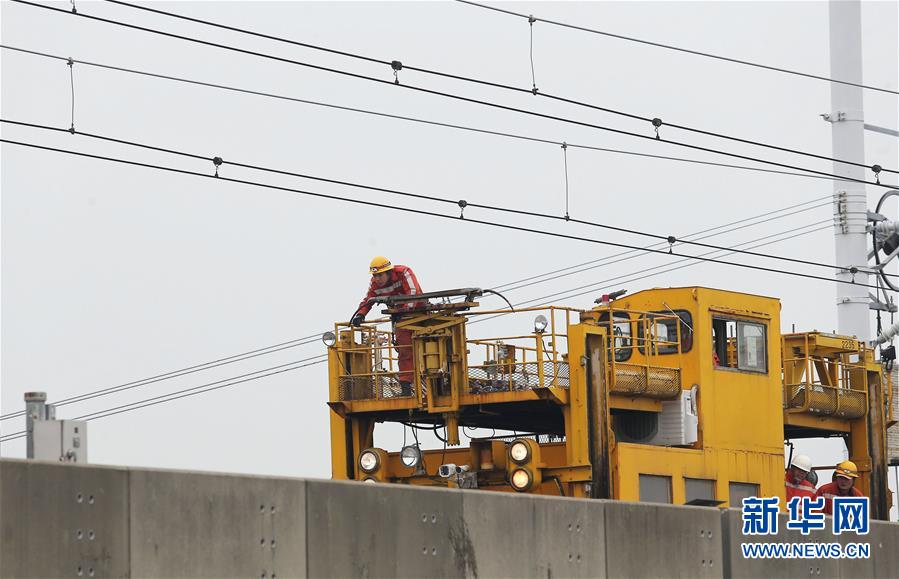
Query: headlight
{"x":521,"y":480}
{"x":540,"y":323}
{"x":520,"y":451}
{"x":329,"y":339}
{"x":369,"y":480}
{"x":369,"y":461}
{"x":410,"y":456}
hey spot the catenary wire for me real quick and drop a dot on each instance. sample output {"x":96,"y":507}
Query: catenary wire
{"x":632,"y":255}
{"x":569,"y":296}
{"x":314,"y":337}
{"x":217,"y":385}
{"x":411,"y":210}
{"x":618,"y":280}
{"x":651,"y":268}
{"x":453,"y":96}
{"x":670,"y":239}
{"x":533,"y":90}
{"x":180,"y":372}
{"x":679,"y":49}
{"x":211,"y":386}
{"x":415,"y":119}
{"x":704,"y":231}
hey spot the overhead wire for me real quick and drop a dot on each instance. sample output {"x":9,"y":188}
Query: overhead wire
{"x":451,"y":95}
{"x":569,"y":145}
{"x":533,"y":90}
{"x":193,"y":391}
{"x":416,"y":119}
{"x":626,"y":257}
{"x":690,"y":235}
{"x":180,"y":372}
{"x":680,"y":49}
{"x":675,"y":268}
{"x":608,"y":260}
{"x":216,"y":385}
{"x":410,"y":210}
{"x":640,"y":274}
{"x":461,"y":203}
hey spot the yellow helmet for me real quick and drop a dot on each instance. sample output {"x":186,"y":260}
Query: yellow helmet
{"x":847,"y":469}
{"x":379,"y":264}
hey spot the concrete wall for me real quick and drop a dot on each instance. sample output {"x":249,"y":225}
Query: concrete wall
{"x":61,"y":520}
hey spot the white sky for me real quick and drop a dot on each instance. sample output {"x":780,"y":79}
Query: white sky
{"x":111,"y":274}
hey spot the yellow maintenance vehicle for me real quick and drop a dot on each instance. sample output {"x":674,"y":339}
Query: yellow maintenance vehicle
{"x":674,"y":395}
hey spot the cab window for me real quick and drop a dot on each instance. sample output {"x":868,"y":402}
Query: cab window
{"x":621,"y":330}
{"x":739,"y":345}
{"x":664,"y":329}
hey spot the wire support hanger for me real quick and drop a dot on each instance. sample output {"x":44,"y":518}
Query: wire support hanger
{"x":71,"y":64}
{"x":565,"y":161}
{"x":679,"y":49}
{"x":534,"y":89}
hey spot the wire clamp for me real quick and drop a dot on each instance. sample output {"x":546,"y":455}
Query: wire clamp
{"x":877,"y":169}
{"x":397,"y":66}
{"x":671,"y":241}
{"x":462,"y":205}
{"x":853,"y":270}
{"x":217,"y":161}
{"x":657,"y":122}
{"x":74,"y":10}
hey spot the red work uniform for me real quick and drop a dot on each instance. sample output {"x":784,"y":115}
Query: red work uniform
{"x":831,"y":490}
{"x":801,"y":489}
{"x":402,"y":282}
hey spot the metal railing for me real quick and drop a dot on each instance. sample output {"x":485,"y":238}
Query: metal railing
{"x":523,"y":362}
{"x":374,"y":351}
{"x":658,"y":375}
{"x":368,"y":359}
{"x":845,"y":395}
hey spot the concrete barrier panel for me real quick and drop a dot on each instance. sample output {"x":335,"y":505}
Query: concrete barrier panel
{"x":646,"y":540}
{"x":884,"y":539}
{"x":571,"y":537}
{"x":502,"y":534}
{"x":378,"y":530}
{"x":186,"y":524}
{"x":63,"y":520}
{"x":738,"y":566}
{"x":859,"y":567}
{"x":516,"y":535}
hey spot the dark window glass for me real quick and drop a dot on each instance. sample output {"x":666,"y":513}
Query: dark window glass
{"x":666,"y":331}
{"x":740,"y":345}
{"x":740,"y":491}
{"x":655,"y":489}
{"x":623,"y":336}
{"x":699,"y":488}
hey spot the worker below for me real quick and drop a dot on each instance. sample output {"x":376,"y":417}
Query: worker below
{"x":796,"y":479}
{"x":393,"y":280}
{"x":842,"y":486}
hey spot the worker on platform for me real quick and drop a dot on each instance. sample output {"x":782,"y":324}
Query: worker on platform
{"x":393,"y":280}
{"x":796,"y":479}
{"x":842,"y":486}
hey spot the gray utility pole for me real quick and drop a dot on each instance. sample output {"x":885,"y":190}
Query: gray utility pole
{"x":36,"y":410}
{"x":850,"y":199}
